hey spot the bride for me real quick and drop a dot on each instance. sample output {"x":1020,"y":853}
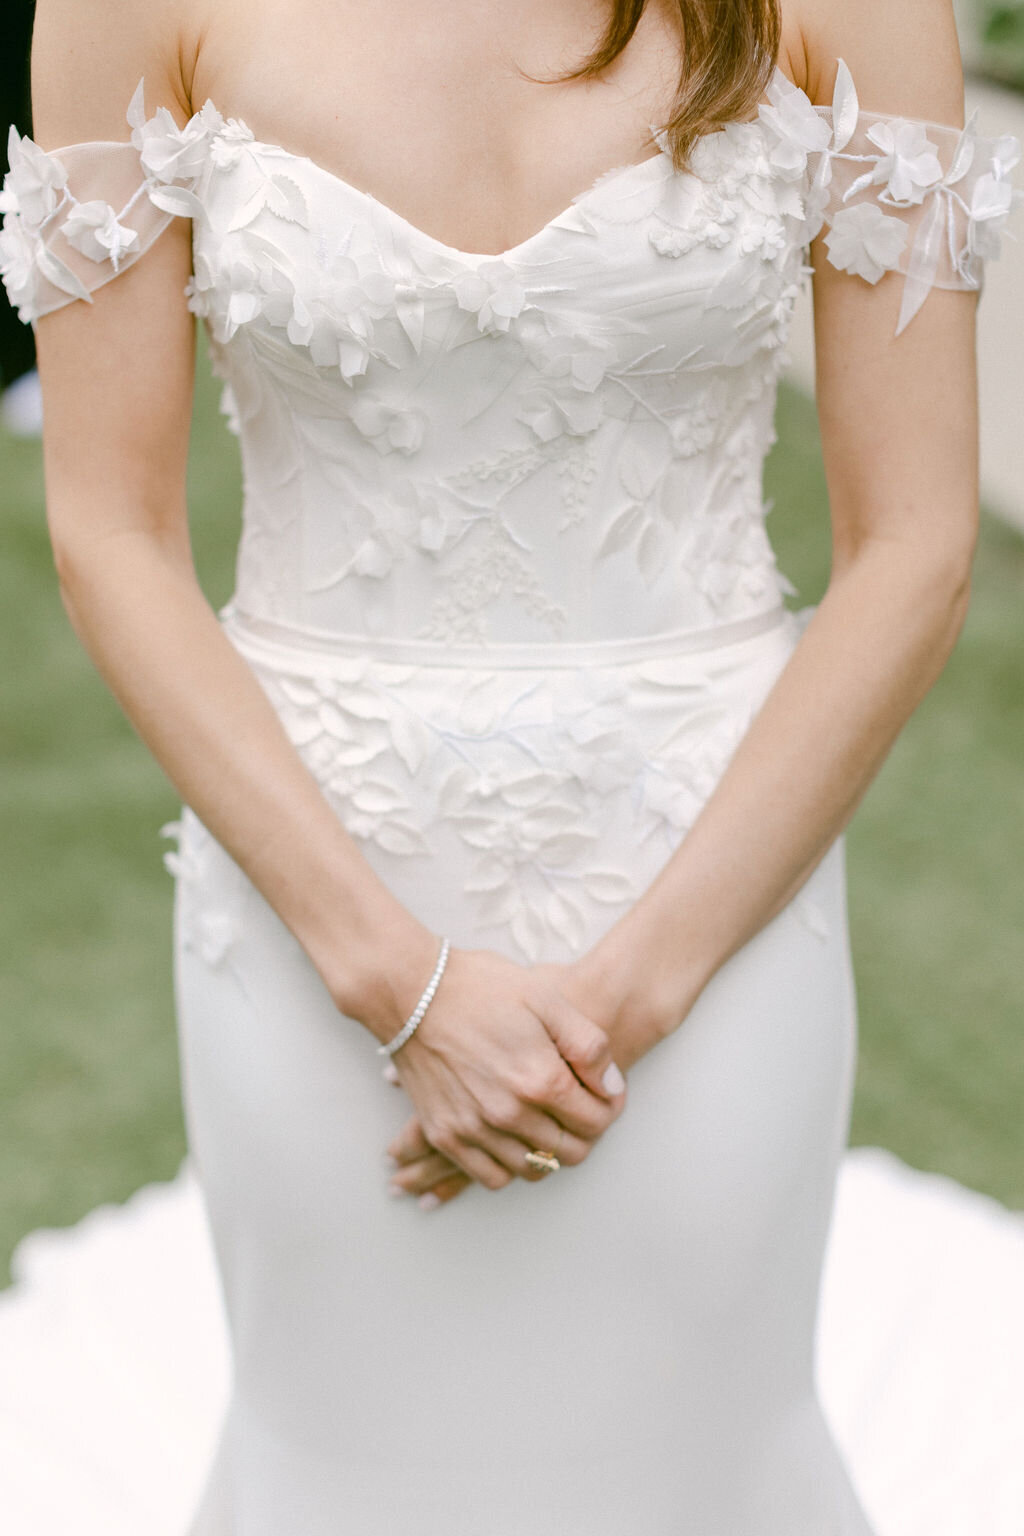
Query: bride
{"x":507,"y":773}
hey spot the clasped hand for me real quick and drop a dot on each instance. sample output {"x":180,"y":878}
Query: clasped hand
{"x":502,"y":1063}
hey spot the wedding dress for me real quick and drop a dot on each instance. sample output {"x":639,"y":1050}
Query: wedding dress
{"x":505,"y":578}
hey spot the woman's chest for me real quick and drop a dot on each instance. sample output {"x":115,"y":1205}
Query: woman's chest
{"x":660,"y":269}
{"x":454,"y":115}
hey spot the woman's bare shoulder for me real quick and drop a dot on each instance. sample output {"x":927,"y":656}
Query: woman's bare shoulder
{"x":792,"y":46}
{"x":88,"y":56}
{"x":904,"y":58}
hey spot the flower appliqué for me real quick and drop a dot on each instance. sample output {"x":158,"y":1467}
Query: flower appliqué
{"x":865,"y":241}
{"x":211,"y":889}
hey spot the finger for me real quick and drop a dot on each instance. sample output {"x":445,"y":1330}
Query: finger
{"x":543,"y":1133}
{"x":560,"y":1095}
{"x":511,"y":1153}
{"x":410,"y":1143}
{"x":442,"y":1193}
{"x":416,"y":1178}
{"x":569,"y":1149}
{"x":585,"y":1046}
{"x":474,"y":1160}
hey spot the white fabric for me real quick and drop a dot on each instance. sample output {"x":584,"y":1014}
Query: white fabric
{"x":116,"y":1360}
{"x":505,"y":578}
{"x":949,"y":193}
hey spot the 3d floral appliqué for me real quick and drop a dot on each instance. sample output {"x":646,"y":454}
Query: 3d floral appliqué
{"x":993,"y":200}
{"x":34,"y":185}
{"x":909,"y":165}
{"x":493,"y":293}
{"x":211,"y":887}
{"x":93,"y":229}
{"x":865,"y":241}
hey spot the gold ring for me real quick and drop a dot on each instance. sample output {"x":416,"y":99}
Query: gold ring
{"x":543,"y":1160}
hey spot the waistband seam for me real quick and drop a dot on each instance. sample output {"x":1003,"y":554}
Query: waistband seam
{"x":253,"y":632}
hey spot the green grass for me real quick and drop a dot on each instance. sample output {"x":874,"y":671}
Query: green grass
{"x":89,"y":1094}
{"x":1001,"y":27}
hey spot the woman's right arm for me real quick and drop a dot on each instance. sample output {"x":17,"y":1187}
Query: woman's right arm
{"x":117,"y":380}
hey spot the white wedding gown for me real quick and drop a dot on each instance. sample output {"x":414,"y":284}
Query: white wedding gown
{"x":505,"y":578}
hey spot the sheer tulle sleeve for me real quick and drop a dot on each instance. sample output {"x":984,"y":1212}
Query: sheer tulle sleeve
{"x":896,"y":194}
{"x":76,"y":217}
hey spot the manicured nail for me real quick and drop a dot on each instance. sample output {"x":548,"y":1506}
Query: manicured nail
{"x":428,"y":1202}
{"x":613,"y":1081}
{"x":396,"y":1189}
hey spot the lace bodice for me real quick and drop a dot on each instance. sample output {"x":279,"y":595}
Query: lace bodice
{"x":560,"y":444}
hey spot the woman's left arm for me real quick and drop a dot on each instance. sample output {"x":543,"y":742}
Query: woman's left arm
{"x":899,"y":428}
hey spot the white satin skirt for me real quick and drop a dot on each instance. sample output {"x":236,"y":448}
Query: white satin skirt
{"x":627,"y":1347}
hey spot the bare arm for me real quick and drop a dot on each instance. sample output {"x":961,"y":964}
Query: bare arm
{"x":117,"y":378}
{"x":117,"y":381}
{"x":899,"y":427}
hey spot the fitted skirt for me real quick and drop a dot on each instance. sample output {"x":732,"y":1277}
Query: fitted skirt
{"x":625,"y":1348}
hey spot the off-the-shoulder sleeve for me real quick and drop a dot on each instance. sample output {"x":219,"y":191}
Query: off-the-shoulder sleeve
{"x":895,"y":194}
{"x":76,"y":217}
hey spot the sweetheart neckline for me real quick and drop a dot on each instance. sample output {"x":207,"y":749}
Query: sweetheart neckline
{"x":455,"y":252}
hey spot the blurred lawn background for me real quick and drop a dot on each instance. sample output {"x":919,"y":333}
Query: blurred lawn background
{"x":89,"y":1091}
{"x":996,"y":34}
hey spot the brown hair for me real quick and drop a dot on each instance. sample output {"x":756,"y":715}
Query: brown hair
{"x":730,"y":49}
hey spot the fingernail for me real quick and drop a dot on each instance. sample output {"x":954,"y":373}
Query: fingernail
{"x":428,"y":1202}
{"x":613,"y":1081}
{"x":395,"y":1190}
{"x":390,"y":1073}
{"x":391,"y":1159}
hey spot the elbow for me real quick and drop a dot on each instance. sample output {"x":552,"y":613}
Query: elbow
{"x":948,"y":573}
{"x":78,"y":574}
{"x":66,"y":565}
{"x":944,"y":612}
{"x":72,"y":583}
{"x":90,"y":561}
{"x":940,"y":598}
{"x":926,"y":578}
{"x":959,"y":598}
{"x":929,"y":557}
